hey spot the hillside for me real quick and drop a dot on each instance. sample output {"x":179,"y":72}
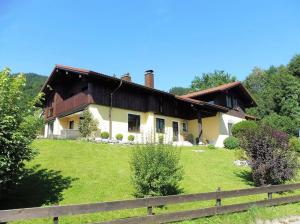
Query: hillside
{"x":71,"y":172}
{"x":34,"y":83}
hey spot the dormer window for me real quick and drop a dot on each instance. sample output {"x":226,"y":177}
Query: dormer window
{"x":229,"y":101}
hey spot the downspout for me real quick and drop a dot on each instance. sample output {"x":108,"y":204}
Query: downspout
{"x":110,"y":108}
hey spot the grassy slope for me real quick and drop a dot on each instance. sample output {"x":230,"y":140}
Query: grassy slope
{"x":102,"y":174}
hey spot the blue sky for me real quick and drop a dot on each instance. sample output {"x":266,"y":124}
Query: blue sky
{"x":177,"y":39}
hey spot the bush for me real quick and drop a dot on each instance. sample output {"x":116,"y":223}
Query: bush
{"x":282,"y":123}
{"x":240,"y":154}
{"x":119,"y":137}
{"x":130,"y":138}
{"x":211,"y":146}
{"x":270,"y":159}
{"x":160,"y":139}
{"x":294,"y":144}
{"x":241,"y":130}
{"x":104,"y":135}
{"x":87,"y":126}
{"x":231,"y":143}
{"x":155,"y":170}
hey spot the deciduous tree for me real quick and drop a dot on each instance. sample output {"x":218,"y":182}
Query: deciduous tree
{"x":18,"y":128}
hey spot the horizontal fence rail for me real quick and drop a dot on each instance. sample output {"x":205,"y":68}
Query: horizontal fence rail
{"x":67,"y":210}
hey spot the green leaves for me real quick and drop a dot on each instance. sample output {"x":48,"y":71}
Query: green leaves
{"x":294,"y":65}
{"x":156,"y":170}
{"x":277,"y":93}
{"x":209,"y":80}
{"x":87,"y":125}
{"x":18,"y":128}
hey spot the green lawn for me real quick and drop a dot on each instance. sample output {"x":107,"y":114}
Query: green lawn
{"x":75,"y":172}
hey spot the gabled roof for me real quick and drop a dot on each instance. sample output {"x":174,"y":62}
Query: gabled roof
{"x":212,"y":90}
{"x":222,"y":88}
{"x":201,"y":103}
{"x":93,"y":74}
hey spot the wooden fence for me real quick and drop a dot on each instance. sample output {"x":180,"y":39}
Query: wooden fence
{"x":149,"y":203}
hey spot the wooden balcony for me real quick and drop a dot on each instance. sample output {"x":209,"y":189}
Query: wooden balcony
{"x":67,"y":105}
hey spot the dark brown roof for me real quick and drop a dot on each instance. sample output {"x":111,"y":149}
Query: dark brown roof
{"x":100,"y":75}
{"x":201,"y":103}
{"x":212,"y":90}
{"x":221,"y":88}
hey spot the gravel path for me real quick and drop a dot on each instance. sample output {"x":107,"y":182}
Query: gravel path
{"x":287,"y":220}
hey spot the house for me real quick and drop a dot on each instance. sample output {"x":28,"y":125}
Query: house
{"x":122,"y":106}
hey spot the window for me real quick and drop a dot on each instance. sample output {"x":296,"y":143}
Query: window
{"x":184,"y":126}
{"x":230,"y":129}
{"x":160,"y":125}
{"x":133,"y":123}
{"x":71,"y":125}
{"x":234,"y":102}
{"x":229,"y":101}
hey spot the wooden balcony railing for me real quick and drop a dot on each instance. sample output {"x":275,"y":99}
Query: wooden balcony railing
{"x":69,"y":104}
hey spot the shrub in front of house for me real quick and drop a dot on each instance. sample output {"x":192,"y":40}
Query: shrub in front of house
{"x":155,"y":170}
{"x":87,"y":126}
{"x":231,"y":143}
{"x":119,"y":137}
{"x":242,"y":130}
{"x":240,"y":154}
{"x":294,"y":144}
{"x":271,"y":160}
{"x":130,"y":138}
{"x":104,"y":135}
{"x":210,"y":146}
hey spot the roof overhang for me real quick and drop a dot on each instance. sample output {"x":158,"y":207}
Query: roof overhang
{"x":223,"y":88}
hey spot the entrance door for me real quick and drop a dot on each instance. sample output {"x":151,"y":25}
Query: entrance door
{"x":175,"y":131}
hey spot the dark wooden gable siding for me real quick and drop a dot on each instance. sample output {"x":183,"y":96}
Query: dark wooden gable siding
{"x":72,"y":90}
{"x":68,"y":92}
{"x":134,"y":98}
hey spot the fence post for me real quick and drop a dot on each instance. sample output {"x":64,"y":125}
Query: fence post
{"x":218,"y":198}
{"x":269,"y":195}
{"x":55,"y":219}
{"x":150,"y":210}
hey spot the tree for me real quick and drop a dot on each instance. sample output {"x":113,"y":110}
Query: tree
{"x":208,"y":80}
{"x":18,"y":128}
{"x":87,"y":125}
{"x":294,"y":66}
{"x":179,"y":91}
{"x":277,"y":94}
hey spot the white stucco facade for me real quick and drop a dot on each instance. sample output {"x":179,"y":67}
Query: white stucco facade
{"x":214,"y":129}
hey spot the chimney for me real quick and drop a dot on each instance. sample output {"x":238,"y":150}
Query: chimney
{"x":149,"y":79}
{"x":126,"y":77}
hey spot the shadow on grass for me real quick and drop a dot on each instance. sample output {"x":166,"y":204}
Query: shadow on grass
{"x":246,"y":176}
{"x":38,"y":187}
